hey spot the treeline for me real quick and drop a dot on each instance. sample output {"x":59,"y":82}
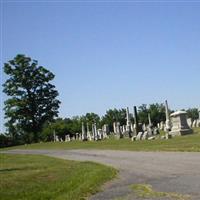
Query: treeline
{"x":71,"y":126}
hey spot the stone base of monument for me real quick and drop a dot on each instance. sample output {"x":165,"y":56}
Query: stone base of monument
{"x":181,"y":132}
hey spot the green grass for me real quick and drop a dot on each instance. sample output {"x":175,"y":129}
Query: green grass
{"x":33,"y":177}
{"x":180,"y":143}
{"x":146,"y":191}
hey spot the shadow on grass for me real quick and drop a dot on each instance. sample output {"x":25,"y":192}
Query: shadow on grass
{"x":16,"y":169}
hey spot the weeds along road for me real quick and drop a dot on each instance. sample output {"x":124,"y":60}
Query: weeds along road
{"x":177,"y":172}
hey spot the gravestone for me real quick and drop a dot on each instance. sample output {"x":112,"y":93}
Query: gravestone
{"x":144,"y":128}
{"x":95,"y":132}
{"x":99,"y":134}
{"x":115,"y":127}
{"x":105,"y":130}
{"x":119,"y":131}
{"x":149,"y":130}
{"x":149,"y":118}
{"x":194,"y":123}
{"x":128,"y":122}
{"x":84,"y":134}
{"x":135,"y":119}
{"x":145,"y":135}
{"x":168,"y":124}
{"x":67,"y":138}
{"x":139,"y":136}
{"x":155,"y":131}
{"x":88,"y":133}
{"x":132,"y":128}
{"x":57,"y":139}
{"x":198,"y":122}
{"x":162,"y":125}
{"x":179,"y":124}
{"x":123,"y":129}
{"x":189,"y":121}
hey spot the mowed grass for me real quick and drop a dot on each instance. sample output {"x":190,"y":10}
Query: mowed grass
{"x":180,"y":143}
{"x":34,"y":177}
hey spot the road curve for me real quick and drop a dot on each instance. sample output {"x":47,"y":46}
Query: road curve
{"x":177,"y":172}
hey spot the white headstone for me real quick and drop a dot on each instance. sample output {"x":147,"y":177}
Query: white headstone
{"x":189,"y":121}
{"x":139,"y":136}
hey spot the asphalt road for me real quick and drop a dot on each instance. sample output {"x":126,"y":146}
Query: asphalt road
{"x":177,"y":172}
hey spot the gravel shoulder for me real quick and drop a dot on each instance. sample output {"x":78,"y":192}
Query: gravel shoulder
{"x":177,"y":172}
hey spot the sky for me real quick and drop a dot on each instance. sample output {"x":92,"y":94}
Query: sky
{"x":108,"y":54}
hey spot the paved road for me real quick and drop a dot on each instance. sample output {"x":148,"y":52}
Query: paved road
{"x":177,"y":172}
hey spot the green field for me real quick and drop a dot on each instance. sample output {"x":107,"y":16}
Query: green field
{"x":179,"y":143}
{"x":33,"y":177}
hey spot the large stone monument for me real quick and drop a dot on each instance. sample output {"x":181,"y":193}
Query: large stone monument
{"x":179,"y":124}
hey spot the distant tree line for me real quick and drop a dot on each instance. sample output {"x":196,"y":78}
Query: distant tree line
{"x":31,"y":109}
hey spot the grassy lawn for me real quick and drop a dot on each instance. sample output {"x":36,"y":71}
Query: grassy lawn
{"x":179,"y":143}
{"x":33,"y":177}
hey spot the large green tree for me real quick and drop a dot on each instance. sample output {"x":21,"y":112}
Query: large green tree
{"x":32,"y":99}
{"x":193,"y":113}
{"x":156,"y":111}
{"x":114,"y":115}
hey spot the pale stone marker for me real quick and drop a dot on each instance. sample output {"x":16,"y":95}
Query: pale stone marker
{"x":139,"y":136}
{"x":114,"y":127}
{"x":67,"y":138}
{"x":144,"y":128}
{"x":128,"y":122}
{"x":194,"y":123}
{"x":88,"y":133}
{"x":145,"y":135}
{"x":162,"y":125}
{"x":189,"y":121}
{"x":84,"y":134}
{"x":168,"y":124}
{"x":149,"y":118}
{"x":57,"y":139}
{"x":95,"y":132}
{"x":179,"y":124}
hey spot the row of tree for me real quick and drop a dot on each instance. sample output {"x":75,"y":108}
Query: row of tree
{"x":31,"y":109}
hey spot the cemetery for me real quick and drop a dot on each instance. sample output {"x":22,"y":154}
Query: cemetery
{"x":176,"y":124}
{"x":99,"y":100}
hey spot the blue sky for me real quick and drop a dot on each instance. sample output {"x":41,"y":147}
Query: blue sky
{"x":109,"y":55}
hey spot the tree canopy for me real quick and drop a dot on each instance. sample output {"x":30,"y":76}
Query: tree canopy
{"x":32,"y":99}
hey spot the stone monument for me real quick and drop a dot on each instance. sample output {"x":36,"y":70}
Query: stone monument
{"x":179,"y":124}
{"x":167,"y":122}
{"x":135,"y":119}
{"x":149,"y":118}
{"x":128,"y":122}
{"x":84,"y":133}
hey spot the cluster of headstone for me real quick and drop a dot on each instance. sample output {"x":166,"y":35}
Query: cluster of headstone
{"x":67,"y":138}
{"x":86,"y":134}
{"x":175,"y":124}
{"x":195,"y":123}
{"x":94,"y":134}
{"x":135,"y":131}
